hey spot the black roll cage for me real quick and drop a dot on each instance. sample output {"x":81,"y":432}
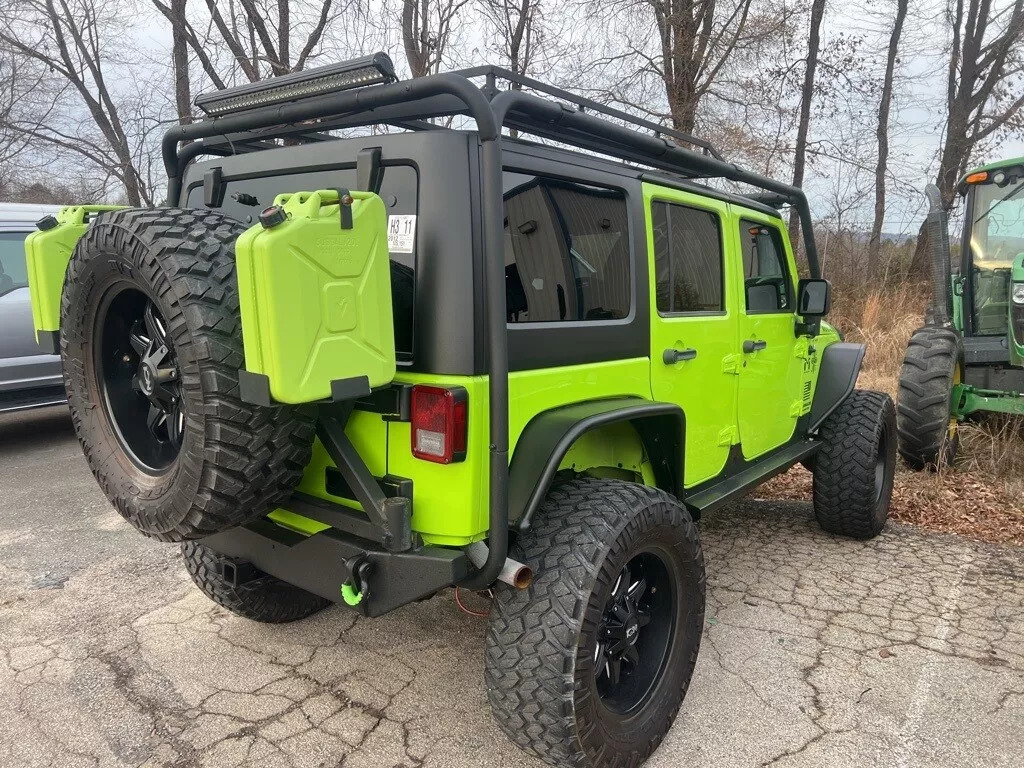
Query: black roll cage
{"x":563,"y":117}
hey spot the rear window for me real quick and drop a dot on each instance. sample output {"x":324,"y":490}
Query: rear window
{"x":566,"y":251}
{"x":13,"y":269}
{"x":399,"y":191}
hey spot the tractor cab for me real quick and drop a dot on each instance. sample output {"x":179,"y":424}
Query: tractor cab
{"x":988,"y":293}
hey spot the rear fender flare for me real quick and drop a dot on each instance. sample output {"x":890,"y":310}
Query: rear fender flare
{"x":550,"y":434}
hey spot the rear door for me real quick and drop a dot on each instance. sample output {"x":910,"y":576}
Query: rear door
{"x":693,"y":322}
{"x":771,"y":372}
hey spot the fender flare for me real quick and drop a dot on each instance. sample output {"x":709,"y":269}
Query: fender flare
{"x":837,"y":376}
{"x":550,"y":434}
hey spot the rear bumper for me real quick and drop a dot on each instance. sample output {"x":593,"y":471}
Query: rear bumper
{"x":321,"y":564}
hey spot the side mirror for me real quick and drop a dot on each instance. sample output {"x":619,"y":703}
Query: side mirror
{"x":814,"y":298}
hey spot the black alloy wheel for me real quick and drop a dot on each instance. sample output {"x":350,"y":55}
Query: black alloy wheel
{"x":139,"y":378}
{"x":634,"y":635}
{"x":588,"y":665}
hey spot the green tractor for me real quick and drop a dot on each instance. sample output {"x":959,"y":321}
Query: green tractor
{"x":969,"y":356}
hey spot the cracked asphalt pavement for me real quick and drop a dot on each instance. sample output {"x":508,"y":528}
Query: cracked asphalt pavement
{"x":903,"y":651}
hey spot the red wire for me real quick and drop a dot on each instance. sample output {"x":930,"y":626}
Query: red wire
{"x":464,"y":609}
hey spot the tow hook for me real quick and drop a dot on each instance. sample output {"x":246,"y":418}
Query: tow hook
{"x":357,"y":588}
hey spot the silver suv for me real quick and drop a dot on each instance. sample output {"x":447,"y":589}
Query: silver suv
{"x":28,"y":378}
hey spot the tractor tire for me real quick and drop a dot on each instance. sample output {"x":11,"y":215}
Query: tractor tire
{"x":151,"y":345}
{"x":589,"y":665}
{"x":263,"y":598}
{"x":928,"y":438}
{"x":854,"y":467}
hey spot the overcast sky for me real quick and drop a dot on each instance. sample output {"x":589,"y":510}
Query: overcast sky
{"x":916,"y":124}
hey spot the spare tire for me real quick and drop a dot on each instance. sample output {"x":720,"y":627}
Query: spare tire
{"x":151,"y":344}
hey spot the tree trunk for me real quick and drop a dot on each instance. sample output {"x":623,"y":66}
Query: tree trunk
{"x":806,"y":101}
{"x":412,"y":27}
{"x":882,"y":133}
{"x":179,"y":62}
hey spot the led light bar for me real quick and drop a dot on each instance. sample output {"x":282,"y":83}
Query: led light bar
{"x":355,"y":73}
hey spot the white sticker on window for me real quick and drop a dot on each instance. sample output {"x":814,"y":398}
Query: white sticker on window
{"x":401,"y":233}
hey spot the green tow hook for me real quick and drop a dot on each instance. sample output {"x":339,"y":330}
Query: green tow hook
{"x":350,"y":595}
{"x":357,"y":587}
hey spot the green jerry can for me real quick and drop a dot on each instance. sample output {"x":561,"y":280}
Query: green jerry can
{"x":48,"y":251}
{"x":314,"y":287}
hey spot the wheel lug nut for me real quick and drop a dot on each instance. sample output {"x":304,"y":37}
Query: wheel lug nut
{"x":127,"y":358}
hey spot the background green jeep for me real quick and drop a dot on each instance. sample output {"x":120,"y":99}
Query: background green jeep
{"x":365,"y":369}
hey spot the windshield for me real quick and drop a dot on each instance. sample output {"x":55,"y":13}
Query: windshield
{"x":13,"y":272}
{"x":997,"y":237}
{"x":998,"y":234}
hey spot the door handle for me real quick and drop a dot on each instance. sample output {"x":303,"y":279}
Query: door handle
{"x":672,"y":356}
{"x":753,"y":345}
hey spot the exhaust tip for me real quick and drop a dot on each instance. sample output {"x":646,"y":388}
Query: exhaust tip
{"x":522,"y":577}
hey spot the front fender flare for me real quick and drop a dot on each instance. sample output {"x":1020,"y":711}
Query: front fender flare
{"x":837,"y":376}
{"x":549,"y":435}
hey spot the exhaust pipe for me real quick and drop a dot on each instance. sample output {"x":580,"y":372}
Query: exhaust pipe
{"x":937,"y":227}
{"x":512,"y":572}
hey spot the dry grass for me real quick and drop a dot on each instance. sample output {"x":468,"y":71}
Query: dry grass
{"x":983,"y":495}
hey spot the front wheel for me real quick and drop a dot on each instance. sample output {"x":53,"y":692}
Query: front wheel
{"x":589,"y":665}
{"x":854,"y":468}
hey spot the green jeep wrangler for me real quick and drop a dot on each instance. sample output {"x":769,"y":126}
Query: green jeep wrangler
{"x":363,"y":368}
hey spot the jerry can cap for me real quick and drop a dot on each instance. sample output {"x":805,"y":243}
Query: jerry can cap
{"x":47,"y":222}
{"x":272,"y":216}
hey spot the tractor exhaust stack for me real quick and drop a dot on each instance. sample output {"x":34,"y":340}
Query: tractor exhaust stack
{"x":937,"y":228}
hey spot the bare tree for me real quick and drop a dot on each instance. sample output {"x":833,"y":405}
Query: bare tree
{"x":984,"y":93}
{"x":806,"y":102}
{"x":427,"y":27}
{"x":682,"y":46}
{"x":516,"y":31}
{"x":66,"y":48}
{"x":259,"y":41}
{"x":882,"y":134}
{"x":175,"y":12}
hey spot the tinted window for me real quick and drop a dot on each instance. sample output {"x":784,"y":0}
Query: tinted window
{"x":566,"y":251}
{"x":399,"y":192}
{"x":13,"y":269}
{"x":765,"y":281}
{"x":687,"y":259}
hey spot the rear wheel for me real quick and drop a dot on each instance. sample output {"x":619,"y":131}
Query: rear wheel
{"x":151,"y":345}
{"x":589,"y":665}
{"x":263,"y":598}
{"x":928,"y":433}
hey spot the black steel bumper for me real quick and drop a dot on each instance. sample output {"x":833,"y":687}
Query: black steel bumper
{"x":323,"y":562}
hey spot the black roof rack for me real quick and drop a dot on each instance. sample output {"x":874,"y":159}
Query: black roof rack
{"x":415,"y":117}
{"x":493,"y":74}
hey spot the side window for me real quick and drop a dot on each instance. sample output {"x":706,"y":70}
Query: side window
{"x":13,"y":269}
{"x":765,"y":279}
{"x":687,"y":259}
{"x":566,"y":251}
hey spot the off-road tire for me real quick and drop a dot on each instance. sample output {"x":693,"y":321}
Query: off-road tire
{"x":237,"y":461}
{"x":265,"y":598}
{"x":853,"y":469}
{"x":540,"y":645}
{"x":925,"y":396}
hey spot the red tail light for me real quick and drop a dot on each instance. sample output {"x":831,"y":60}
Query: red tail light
{"x":439,"y":423}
